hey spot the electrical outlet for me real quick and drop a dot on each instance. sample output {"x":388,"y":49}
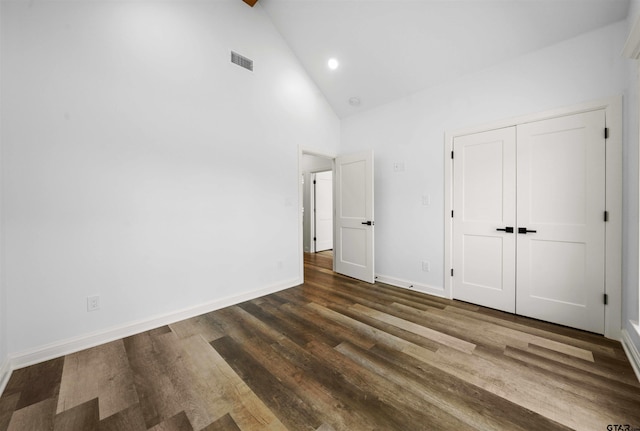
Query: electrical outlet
{"x":398,"y":166}
{"x":93,"y":303}
{"x":426,"y":266}
{"x":426,"y":200}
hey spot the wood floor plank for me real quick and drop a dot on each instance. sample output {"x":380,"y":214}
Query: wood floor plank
{"x":439,"y":337}
{"x":199,"y":325}
{"x":357,"y":406}
{"x":306,"y":331}
{"x":334,"y":354}
{"x":343,"y":406}
{"x":158,"y":397}
{"x":400,"y":410}
{"x":334,"y":329}
{"x":36,"y":383}
{"x":373,"y":333}
{"x":620,"y":366}
{"x":593,"y":389}
{"x":129,"y":419}
{"x":189,"y":378}
{"x":462,"y":328}
{"x":535,"y":326}
{"x":223,"y":391}
{"x":296,"y":331}
{"x":34,"y":417}
{"x":101,"y":372}
{"x":83,"y":417}
{"x":225,"y":423}
{"x":616,"y":374}
{"x":471,"y":403}
{"x":267,"y":387}
{"x":519,"y":328}
{"x":530,"y":388}
{"x":179,"y":422}
{"x":8,"y":405}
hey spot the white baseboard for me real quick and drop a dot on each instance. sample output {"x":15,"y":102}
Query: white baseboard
{"x":632,"y":352}
{"x":5,"y":374}
{"x":406,"y":284}
{"x":75,"y":344}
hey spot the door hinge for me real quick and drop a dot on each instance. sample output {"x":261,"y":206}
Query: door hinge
{"x":451,"y":213}
{"x":452,"y":272}
{"x":452,"y":154}
{"x":606,"y":133}
{"x":314,"y":182}
{"x":314,"y":238}
{"x":606,"y":216}
{"x":605,"y":299}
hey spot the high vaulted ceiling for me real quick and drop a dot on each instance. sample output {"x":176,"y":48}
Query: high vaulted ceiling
{"x":388,"y":49}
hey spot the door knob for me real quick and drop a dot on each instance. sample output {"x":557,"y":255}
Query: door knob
{"x":507,"y":229}
{"x":525,"y":231}
{"x":368,"y":223}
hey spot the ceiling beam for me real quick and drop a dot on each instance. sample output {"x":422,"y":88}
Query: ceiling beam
{"x":250,"y":2}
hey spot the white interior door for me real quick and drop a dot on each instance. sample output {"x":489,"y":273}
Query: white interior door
{"x":484,"y":219}
{"x":323,"y":210}
{"x":354,"y":244}
{"x":561,"y":203}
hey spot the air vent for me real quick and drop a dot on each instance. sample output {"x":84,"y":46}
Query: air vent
{"x":242,"y":61}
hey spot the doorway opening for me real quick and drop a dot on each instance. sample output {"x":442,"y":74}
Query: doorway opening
{"x":321,"y":212}
{"x":353,"y":222}
{"x":317,"y":209}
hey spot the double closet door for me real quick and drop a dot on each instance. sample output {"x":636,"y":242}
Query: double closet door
{"x":529,"y":220}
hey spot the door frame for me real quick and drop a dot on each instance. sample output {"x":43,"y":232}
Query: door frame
{"x":613,"y":228}
{"x":311,"y":152}
{"x":312,"y":215}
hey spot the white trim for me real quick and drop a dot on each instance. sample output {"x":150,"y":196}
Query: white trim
{"x":312,"y":212}
{"x":613,"y":277}
{"x":5,"y":374}
{"x":631,"y":351}
{"x":410,"y":285}
{"x":75,"y":344}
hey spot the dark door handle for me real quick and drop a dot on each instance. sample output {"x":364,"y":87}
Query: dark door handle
{"x":507,"y":229}
{"x":368,"y":223}
{"x":525,"y":231}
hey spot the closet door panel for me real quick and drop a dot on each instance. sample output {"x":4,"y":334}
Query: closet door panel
{"x":560,"y":207}
{"x":484,"y":201}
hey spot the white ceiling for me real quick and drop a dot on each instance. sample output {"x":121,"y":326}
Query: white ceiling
{"x":388,"y":49}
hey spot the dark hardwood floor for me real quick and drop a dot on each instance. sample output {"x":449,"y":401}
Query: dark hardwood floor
{"x":334,"y":354}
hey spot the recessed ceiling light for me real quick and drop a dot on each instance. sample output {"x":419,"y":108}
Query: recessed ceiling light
{"x":333,"y":64}
{"x":354,"y":101}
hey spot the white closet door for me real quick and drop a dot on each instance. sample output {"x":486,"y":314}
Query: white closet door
{"x":484,"y":202}
{"x":561,"y":202}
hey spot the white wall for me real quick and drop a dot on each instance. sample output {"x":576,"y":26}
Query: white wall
{"x":411,"y":130}
{"x":141,"y":166}
{"x":3,"y":310}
